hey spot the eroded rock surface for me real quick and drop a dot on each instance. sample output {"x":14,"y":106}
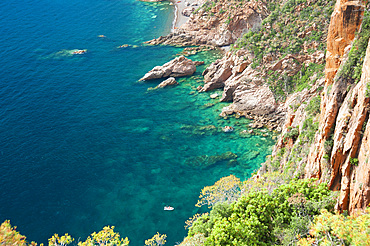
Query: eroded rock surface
{"x":338,"y":153}
{"x":178,"y":67}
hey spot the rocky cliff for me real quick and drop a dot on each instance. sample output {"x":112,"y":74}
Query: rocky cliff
{"x":325,"y":134}
{"x":339,"y":153}
{"x":277,"y":73}
{"x":337,"y":149}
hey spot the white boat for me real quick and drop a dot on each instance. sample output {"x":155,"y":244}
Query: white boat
{"x":168,"y":208}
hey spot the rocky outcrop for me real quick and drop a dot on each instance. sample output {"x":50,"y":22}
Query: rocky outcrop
{"x":187,"y":11}
{"x":344,"y":23}
{"x":251,"y":98}
{"x":167,"y":82}
{"x":216,"y":23}
{"x":338,"y":155}
{"x":178,"y":67}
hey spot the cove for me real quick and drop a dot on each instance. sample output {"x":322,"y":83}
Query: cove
{"x":84,"y":145}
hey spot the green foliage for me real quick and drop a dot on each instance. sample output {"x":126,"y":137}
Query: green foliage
{"x":56,"y":240}
{"x":227,"y":189}
{"x":353,"y":161}
{"x":338,"y":229}
{"x":310,"y":128}
{"x":291,"y":25}
{"x":156,"y":240}
{"x":313,"y":107}
{"x":9,"y":235}
{"x":258,"y":216}
{"x":283,"y":25}
{"x":293,"y":133}
{"x":196,"y":240}
{"x":367,"y":93}
{"x":352,"y":69}
{"x":106,"y":237}
{"x":302,"y":79}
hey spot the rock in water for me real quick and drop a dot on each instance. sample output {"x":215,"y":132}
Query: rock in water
{"x":167,"y":82}
{"x":178,"y":67}
{"x":214,"y":95}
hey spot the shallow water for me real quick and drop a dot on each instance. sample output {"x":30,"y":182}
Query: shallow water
{"x":83,"y":144}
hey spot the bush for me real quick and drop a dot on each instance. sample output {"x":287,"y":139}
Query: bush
{"x":257,"y":216}
{"x":105,"y":237}
{"x":338,"y":229}
{"x":313,"y":107}
{"x":227,"y":189}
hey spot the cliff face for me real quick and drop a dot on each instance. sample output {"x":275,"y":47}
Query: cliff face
{"x":274,"y":74}
{"x":335,"y":155}
{"x":216,"y":23}
{"x":345,"y":21}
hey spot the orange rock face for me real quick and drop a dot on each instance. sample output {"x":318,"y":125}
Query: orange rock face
{"x":339,"y":153}
{"x":344,"y":23}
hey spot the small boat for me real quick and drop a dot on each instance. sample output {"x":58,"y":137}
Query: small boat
{"x":168,"y":208}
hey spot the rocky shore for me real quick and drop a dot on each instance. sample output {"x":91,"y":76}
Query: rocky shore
{"x":333,"y":143}
{"x":243,"y":85}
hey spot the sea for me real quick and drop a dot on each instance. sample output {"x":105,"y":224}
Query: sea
{"x":84,"y":144}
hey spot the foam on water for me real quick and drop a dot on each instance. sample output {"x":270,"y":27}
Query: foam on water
{"x":83,"y":144}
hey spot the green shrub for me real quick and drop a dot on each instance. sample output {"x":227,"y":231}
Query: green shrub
{"x":293,"y":134}
{"x":259,"y":215}
{"x":367,"y":93}
{"x":353,"y":161}
{"x":339,"y":229}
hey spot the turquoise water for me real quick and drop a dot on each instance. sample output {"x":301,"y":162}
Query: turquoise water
{"x":84,"y":145}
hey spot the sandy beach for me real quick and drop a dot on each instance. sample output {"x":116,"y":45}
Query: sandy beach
{"x":180,"y":5}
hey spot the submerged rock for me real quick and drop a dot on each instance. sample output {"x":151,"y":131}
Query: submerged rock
{"x":178,"y":67}
{"x":200,"y":130}
{"x":205,"y":161}
{"x":250,"y":155}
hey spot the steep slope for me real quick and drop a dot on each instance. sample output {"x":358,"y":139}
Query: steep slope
{"x":334,"y":157}
{"x":332,"y":143}
{"x":274,"y":74}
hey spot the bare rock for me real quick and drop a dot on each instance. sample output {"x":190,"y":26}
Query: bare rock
{"x":220,"y":29}
{"x":187,"y":11}
{"x":168,"y":82}
{"x":178,"y":67}
{"x":214,"y":95}
{"x":198,"y":63}
{"x":255,"y":99}
{"x":216,"y":74}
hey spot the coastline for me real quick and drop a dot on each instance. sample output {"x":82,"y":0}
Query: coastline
{"x":180,"y":19}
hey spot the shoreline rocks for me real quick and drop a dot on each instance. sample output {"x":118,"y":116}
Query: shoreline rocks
{"x":178,"y":67}
{"x":167,"y":82}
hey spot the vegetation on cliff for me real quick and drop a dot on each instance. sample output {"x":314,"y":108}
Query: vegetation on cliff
{"x":263,"y":216}
{"x":274,"y":207}
{"x":352,"y":69}
{"x":296,"y":27}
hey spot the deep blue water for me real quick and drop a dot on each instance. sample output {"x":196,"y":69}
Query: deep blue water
{"x":83,"y":144}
